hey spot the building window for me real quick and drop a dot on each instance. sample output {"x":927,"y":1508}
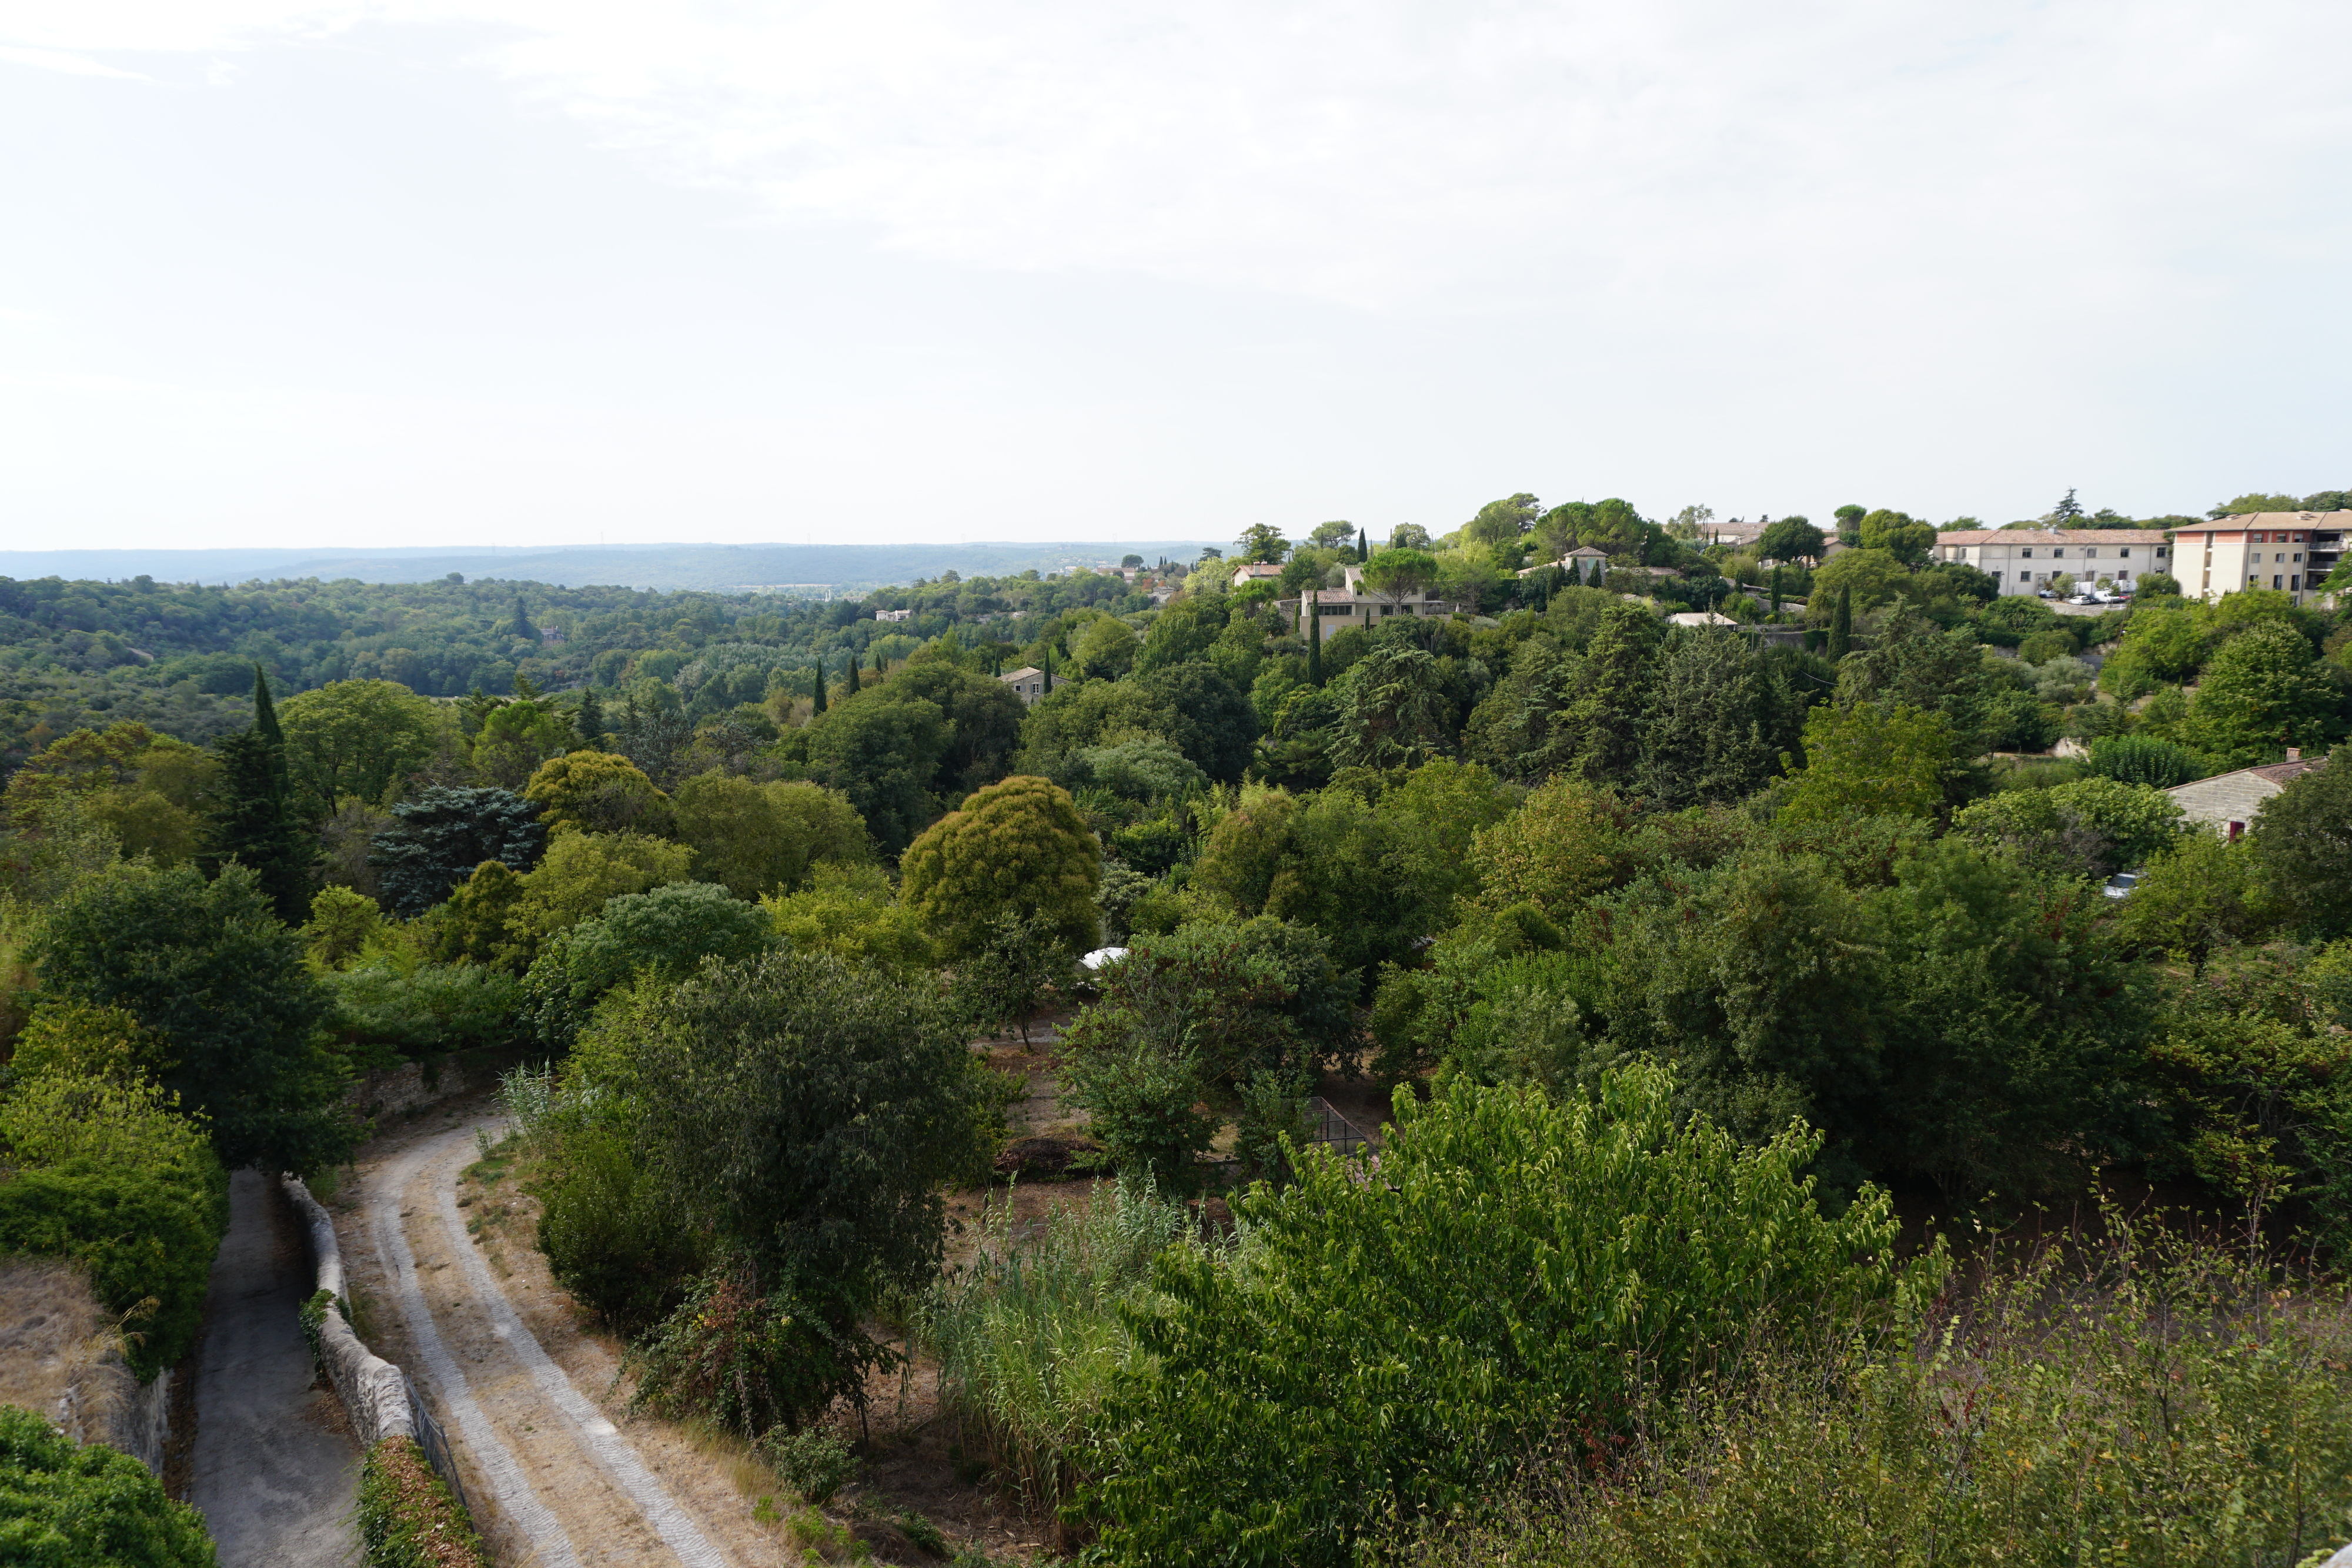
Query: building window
{"x":2294,"y":583}
{"x":2090,"y":551}
{"x":2274,"y":581}
{"x":2253,"y":581}
{"x":1996,"y":577}
{"x":2058,"y":550}
{"x":2027,"y":552}
{"x":2125,"y":553}
{"x":2299,"y":558}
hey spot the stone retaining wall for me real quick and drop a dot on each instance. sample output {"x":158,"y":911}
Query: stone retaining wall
{"x":391,"y":1092}
{"x":374,"y":1392}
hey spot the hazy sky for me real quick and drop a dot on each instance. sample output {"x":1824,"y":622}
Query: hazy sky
{"x":522,"y":271}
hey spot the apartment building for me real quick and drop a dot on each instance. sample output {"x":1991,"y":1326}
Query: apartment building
{"x":2023,"y":560}
{"x":2289,"y":551}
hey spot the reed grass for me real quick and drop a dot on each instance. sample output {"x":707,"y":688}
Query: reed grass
{"x":1028,"y":1336}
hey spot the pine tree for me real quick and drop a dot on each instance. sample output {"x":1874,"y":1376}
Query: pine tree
{"x":1842,"y":628}
{"x":816,"y":704}
{"x":1314,"y":639}
{"x":254,"y":825}
{"x":2066,"y":511}
{"x":590,"y":720}
{"x":520,"y":625}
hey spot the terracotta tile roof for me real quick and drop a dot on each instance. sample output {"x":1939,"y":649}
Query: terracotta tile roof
{"x":2053,"y":536}
{"x":2237,"y":520}
{"x":2282,"y":772}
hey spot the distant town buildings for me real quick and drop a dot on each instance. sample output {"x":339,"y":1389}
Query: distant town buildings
{"x":2023,"y":560}
{"x":892,"y":614}
{"x":2289,"y":551}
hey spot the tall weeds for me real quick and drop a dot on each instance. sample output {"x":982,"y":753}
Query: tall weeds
{"x":2136,"y":1399}
{"x":1028,"y":1335}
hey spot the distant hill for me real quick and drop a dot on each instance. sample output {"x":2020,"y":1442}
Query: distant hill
{"x":811,"y":569}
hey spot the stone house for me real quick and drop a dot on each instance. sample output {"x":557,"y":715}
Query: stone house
{"x":2229,"y":802}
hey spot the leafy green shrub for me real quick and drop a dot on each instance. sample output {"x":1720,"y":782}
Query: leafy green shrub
{"x":2151,"y":1404}
{"x":1388,"y":1339}
{"x":1186,"y":1023}
{"x":110,"y":1177}
{"x":748,"y":1358}
{"x":1029,"y":1334}
{"x":68,"y":1506}
{"x":610,"y":1236}
{"x":423,"y":1009}
{"x":408,"y":1518}
{"x":668,"y":931}
{"x":2143,"y":759}
{"x":812,"y":1461}
{"x":2091,"y":827}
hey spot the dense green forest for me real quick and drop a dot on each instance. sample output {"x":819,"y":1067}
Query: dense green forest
{"x":1686,"y":951}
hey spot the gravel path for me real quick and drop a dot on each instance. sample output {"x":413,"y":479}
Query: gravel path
{"x":275,"y":1467}
{"x":560,"y":1485}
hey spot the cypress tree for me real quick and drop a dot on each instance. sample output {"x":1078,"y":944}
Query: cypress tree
{"x":817,"y":706}
{"x":1046,"y":683}
{"x":1776,"y":592}
{"x":1314,"y":639}
{"x":1363,"y":546}
{"x":253,"y":823}
{"x":265,"y":713}
{"x":1842,"y":628}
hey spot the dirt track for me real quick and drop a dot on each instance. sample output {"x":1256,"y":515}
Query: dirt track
{"x":553,"y":1478}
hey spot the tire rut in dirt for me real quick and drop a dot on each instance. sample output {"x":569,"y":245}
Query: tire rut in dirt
{"x":519,"y":1521}
{"x":528,"y":1378}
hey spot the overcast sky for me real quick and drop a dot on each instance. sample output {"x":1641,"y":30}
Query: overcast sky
{"x":541,"y":271}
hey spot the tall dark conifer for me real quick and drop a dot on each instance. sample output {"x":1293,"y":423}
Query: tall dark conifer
{"x":1363,"y":546}
{"x":254,"y":825}
{"x":1842,"y":625}
{"x":1046,"y":675}
{"x":1314,"y":638}
{"x":816,"y":703}
{"x":590,"y":722}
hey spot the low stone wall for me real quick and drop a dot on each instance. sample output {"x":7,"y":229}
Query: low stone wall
{"x":374,"y":1392}
{"x":395,"y":1091}
{"x":61,"y":1351}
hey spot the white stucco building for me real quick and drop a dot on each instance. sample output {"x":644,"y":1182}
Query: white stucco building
{"x":2023,"y":560}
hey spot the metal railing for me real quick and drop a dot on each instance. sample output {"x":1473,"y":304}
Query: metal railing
{"x":435,"y":1444}
{"x":1333,"y":1130}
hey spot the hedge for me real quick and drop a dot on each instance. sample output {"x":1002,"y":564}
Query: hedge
{"x":143,"y":1238}
{"x":64,"y":1505}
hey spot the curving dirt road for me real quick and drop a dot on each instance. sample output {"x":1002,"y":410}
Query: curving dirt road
{"x":552,"y":1479}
